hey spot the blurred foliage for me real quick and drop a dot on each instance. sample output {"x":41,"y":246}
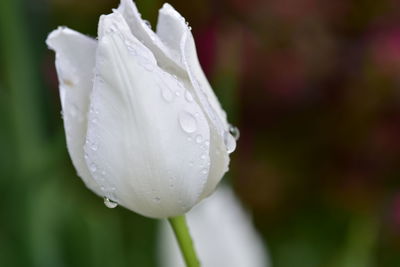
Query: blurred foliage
{"x":313,"y":86}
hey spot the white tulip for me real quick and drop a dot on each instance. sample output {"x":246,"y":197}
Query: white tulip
{"x":143,"y":127}
{"x":222,"y":233}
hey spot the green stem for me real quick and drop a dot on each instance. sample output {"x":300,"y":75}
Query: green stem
{"x":184,"y":239}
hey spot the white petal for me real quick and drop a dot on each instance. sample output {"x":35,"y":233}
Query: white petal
{"x":222,"y":233}
{"x":169,"y":30}
{"x":75,"y":59}
{"x":174,"y":32}
{"x":143,"y":129}
{"x":166,"y":58}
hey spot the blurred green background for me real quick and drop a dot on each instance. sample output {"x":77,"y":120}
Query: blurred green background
{"x":314,"y":87}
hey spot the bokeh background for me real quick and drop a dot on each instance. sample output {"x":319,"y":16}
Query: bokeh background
{"x":314,"y":87}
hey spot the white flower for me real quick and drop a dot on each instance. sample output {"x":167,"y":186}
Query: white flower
{"x":222,"y":233}
{"x":143,"y":126}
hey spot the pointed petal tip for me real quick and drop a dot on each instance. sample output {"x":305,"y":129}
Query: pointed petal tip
{"x":128,"y":4}
{"x":54,"y":35}
{"x":61,"y":32}
{"x":166,"y":6}
{"x":170,"y":10}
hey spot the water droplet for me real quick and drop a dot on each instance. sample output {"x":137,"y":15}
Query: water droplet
{"x":188,"y":96}
{"x":112,"y":29}
{"x":157,"y":199}
{"x":203,"y":156}
{"x":62,"y":114}
{"x":190,"y":28}
{"x":234,"y":131}
{"x":93,"y":146}
{"x":100,"y":81}
{"x":93,"y":167}
{"x":146,"y":63}
{"x":147,"y":23}
{"x":109,"y":203}
{"x":130,"y":46}
{"x":149,"y":66}
{"x":204,"y":171}
{"x":177,"y":93}
{"x":167,"y":94}
{"x":197,"y":84}
{"x":187,"y":122}
{"x":199,"y":138}
{"x":230,"y":142}
{"x":172,"y":181}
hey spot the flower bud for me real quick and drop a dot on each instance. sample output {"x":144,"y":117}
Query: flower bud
{"x":144,"y":128}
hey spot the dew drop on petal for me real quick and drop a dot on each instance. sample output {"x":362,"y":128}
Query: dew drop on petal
{"x":199,"y":138}
{"x":93,"y":167}
{"x":147,"y":23}
{"x":171,"y":182}
{"x":130,"y":47}
{"x":146,"y":63}
{"x":188,"y":96}
{"x":234,"y":131}
{"x":109,"y":203}
{"x":93,"y":146}
{"x":230,"y":142}
{"x":166,"y":94}
{"x":149,"y":66}
{"x":187,"y":122}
